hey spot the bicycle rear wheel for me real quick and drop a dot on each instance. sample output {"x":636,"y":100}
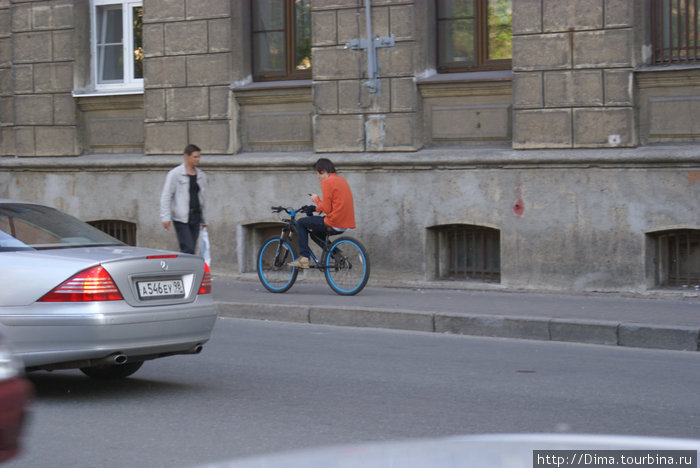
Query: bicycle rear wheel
{"x":273,"y":265}
{"x":346,"y":266}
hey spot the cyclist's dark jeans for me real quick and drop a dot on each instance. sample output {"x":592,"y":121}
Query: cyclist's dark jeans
{"x":314,"y":224}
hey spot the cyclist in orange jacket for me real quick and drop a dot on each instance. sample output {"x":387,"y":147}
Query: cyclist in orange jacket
{"x":336,"y":204}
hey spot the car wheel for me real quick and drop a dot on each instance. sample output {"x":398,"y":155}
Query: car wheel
{"x":112,"y":372}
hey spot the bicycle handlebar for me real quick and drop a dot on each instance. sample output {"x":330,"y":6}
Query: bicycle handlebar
{"x":308,"y":209}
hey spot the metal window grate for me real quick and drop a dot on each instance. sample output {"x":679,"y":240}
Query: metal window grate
{"x":472,"y":253}
{"x":121,"y":230}
{"x":674,"y":31}
{"x":678,"y":255}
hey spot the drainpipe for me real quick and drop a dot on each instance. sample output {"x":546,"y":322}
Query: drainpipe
{"x":372,"y":83}
{"x":371,"y":43}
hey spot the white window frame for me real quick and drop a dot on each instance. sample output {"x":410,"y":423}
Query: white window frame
{"x":129,"y":83}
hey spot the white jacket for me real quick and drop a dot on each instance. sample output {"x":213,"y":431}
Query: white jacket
{"x":175,"y":198}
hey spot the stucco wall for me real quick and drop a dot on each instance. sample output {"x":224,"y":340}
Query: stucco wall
{"x":582,"y":227}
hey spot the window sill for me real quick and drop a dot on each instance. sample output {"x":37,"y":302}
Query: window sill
{"x":102,"y":93}
{"x":667,"y":77}
{"x":269,"y":85}
{"x":669,"y":67}
{"x":273,"y":92}
{"x":467,"y":77}
{"x":449,"y":85}
{"x":101,"y":102}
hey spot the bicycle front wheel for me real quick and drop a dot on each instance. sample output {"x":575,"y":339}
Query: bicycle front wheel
{"x":346,"y":265}
{"x":273,"y":265}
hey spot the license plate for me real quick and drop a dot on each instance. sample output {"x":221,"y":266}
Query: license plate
{"x":160,"y":289}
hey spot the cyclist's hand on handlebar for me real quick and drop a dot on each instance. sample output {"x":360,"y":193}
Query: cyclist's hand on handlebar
{"x":308,"y":209}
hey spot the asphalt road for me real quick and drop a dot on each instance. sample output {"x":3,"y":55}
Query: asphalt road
{"x":260,"y":387}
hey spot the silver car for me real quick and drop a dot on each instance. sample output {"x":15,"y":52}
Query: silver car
{"x":73,"y":297}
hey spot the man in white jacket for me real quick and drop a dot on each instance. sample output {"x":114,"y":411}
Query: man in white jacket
{"x":182,"y":200}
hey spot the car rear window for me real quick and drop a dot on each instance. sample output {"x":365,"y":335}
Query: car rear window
{"x":41,"y":227}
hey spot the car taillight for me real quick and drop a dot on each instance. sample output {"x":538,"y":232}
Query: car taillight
{"x":205,"y":287}
{"x":93,"y":284}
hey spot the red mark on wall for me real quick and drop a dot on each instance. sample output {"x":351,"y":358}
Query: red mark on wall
{"x":693,"y":176}
{"x":519,"y":207}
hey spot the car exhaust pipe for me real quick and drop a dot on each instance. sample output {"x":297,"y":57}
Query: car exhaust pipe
{"x":116,"y":359}
{"x":196,"y":349}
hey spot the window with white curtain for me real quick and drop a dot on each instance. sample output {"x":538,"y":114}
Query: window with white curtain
{"x":117,"y":46}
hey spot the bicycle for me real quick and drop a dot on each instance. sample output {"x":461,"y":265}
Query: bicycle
{"x":344,"y":261}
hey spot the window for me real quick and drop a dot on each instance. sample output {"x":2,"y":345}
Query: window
{"x":467,"y":252}
{"x":677,"y":258}
{"x":253,"y":236}
{"x":121,"y":230}
{"x":674,"y":31}
{"x":42,"y":227}
{"x":474,"y":35}
{"x":281,"y":39}
{"x":117,"y":46}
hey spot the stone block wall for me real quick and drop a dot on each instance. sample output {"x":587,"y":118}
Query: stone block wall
{"x":573,"y":74}
{"x":669,"y":105}
{"x":275,"y":117}
{"x":36,"y":79}
{"x":6,"y":87}
{"x":347,"y":116}
{"x":476,"y":111}
{"x":188,"y":70}
{"x":111,"y":123}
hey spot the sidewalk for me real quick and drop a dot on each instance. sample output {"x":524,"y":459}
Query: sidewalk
{"x":642,"y":323}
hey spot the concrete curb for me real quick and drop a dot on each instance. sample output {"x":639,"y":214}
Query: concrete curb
{"x":611,"y":333}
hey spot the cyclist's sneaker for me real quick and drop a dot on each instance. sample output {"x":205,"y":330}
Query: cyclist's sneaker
{"x":301,"y":262}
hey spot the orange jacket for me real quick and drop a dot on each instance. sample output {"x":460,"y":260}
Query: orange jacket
{"x":337,"y":202}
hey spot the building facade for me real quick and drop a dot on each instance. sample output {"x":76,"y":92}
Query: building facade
{"x":545,"y":145}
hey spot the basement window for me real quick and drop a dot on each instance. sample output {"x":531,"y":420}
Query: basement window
{"x":253,"y":236}
{"x":120,"y":230}
{"x":677,"y":258}
{"x":468,"y":253}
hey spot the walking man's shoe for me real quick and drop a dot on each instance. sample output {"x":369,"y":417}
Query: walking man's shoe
{"x":301,"y":262}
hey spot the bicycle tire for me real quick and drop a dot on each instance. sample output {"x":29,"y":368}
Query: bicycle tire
{"x":346,"y":266}
{"x":276,"y":278}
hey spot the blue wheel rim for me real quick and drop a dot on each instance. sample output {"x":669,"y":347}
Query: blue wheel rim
{"x":364,"y":273}
{"x":262,"y":273}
